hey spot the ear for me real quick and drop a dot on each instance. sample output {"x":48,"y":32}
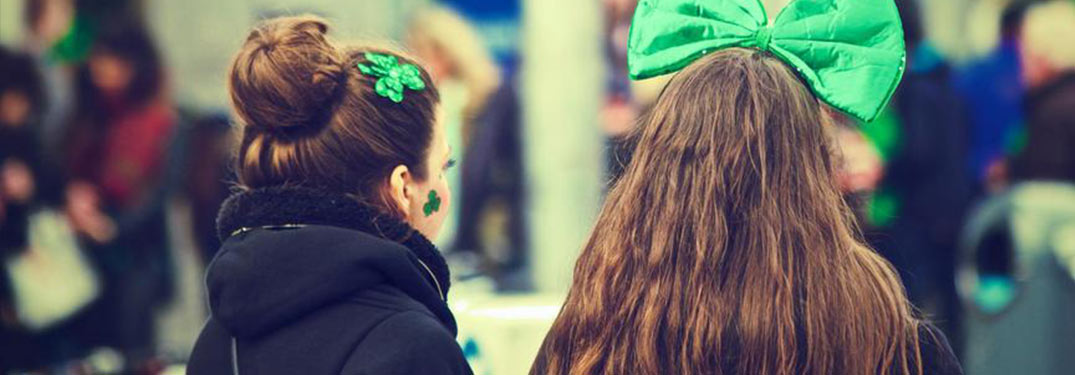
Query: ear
{"x":399,"y":185}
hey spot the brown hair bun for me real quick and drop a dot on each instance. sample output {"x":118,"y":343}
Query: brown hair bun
{"x":286,"y":75}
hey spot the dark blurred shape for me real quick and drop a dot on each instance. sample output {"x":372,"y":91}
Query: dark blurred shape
{"x":1011,"y":20}
{"x":21,"y":102}
{"x":492,"y":180}
{"x":911,"y":16}
{"x":207,"y":177}
{"x":1018,"y":276}
{"x":123,"y":162}
{"x":24,"y":97}
{"x":20,"y":97}
{"x":1050,"y":149}
{"x":124,"y":66}
{"x":917,"y":212}
{"x":1048,"y":68}
{"x":21,"y":76}
{"x":993,"y":90}
{"x":29,"y":186}
{"x":621,"y":109}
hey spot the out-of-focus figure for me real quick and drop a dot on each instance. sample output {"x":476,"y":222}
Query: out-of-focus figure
{"x":483,"y":124}
{"x":117,"y":157}
{"x":915,"y":215}
{"x":993,"y":90}
{"x":1018,"y":271}
{"x":208,"y":171}
{"x":45,"y":281}
{"x":55,"y":38}
{"x":21,"y":101}
{"x":621,"y":108}
{"x":1048,"y":66}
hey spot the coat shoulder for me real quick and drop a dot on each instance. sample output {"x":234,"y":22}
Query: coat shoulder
{"x":378,"y":326}
{"x":937,"y":355}
{"x":407,"y":342}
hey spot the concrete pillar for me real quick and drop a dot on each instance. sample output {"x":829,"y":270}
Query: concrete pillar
{"x":563,"y":80}
{"x":11,"y":23}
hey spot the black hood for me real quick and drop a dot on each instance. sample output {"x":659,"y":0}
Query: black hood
{"x":288,"y":251}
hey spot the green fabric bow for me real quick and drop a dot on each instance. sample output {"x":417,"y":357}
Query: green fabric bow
{"x":393,"y":76}
{"x":850,"y":52}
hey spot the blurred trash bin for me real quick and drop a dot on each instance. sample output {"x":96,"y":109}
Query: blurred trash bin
{"x":1017,"y":282}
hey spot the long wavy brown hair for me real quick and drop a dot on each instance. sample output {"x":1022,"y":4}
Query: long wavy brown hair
{"x":726,"y":247}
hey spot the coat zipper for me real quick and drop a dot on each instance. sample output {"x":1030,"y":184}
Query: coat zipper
{"x":440,"y":292}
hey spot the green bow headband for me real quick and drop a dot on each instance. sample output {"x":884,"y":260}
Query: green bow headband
{"x":850,"y":52}
{"x":393,"y":77}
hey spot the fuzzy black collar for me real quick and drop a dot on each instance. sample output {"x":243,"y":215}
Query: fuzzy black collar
{"x":292,"y":205}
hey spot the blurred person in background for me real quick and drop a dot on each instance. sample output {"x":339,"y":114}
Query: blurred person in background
{"x":46,"y":23}
{"x":483,"y":125}
{"x":621,"y":108}
{"x":21,"y":103}
{"x":205,"y":186}
{"x":1048,"y":67}
{"x":1019,"y":261}
{"x":915,"y":215}
{"x":117,"y":153}
{"x":55,"y":39}
{"x":327,"y":265}
{"x":46,"y":282}
{"x":993,"y":90}
{"x":23,"y":189}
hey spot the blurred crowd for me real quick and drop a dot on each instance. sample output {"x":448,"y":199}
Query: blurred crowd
{"x":966,"y":183}
{"x":93,"y":152}
{"x":110,"y":188}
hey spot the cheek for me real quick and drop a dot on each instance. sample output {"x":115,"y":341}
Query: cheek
{"x":443,"y":200}
{"x":430,"y":224}
{"x":445,"y":192}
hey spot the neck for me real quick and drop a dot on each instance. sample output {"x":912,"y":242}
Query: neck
{"x":276,"y":206}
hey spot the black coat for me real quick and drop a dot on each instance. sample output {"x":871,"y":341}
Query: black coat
{"x":1049,"y":154}
{"x":310,"y":283}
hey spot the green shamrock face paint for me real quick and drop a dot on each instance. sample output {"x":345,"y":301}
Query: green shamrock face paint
{"x":433,"y":204}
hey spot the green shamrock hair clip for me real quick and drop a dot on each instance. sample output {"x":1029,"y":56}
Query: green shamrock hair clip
{"x":394,"y":78}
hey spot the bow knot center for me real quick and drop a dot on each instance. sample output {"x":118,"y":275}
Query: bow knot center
{"x":763,"y":37}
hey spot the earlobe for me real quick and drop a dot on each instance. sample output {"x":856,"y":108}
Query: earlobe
{"x":398,"y":183}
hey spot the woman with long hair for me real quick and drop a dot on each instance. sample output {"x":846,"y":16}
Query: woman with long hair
{"x":326,"y":265}
{"x":726,"y":247}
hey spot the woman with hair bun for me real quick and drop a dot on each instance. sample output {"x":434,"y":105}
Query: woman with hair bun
{"x":326,"y":266}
